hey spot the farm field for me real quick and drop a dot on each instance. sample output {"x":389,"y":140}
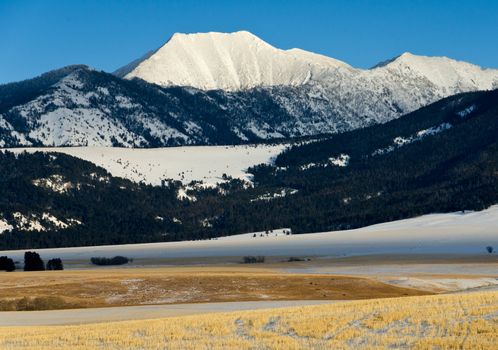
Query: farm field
{"x":462,"y":321}
{"x":172,"y":285}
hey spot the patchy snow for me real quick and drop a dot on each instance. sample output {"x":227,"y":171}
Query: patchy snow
{"x":183,"y":195}
{"x":66,"y":116}
{"x":309,"y":166}
{"x":269,"y":196}
{"x":54,"y":221}
{"x":27,"y":223}
{"x":5,"y":226}
{"x":55,"y":183}
{"x":72,"y":222}
{"x":206,"y":223}
{"x":342,"y":160}
{"x":419,"y":135}
{"x":34,"y":222}
{"x":186,"y":164}
{"x":432,"y":131}
{"x":467,"y":111}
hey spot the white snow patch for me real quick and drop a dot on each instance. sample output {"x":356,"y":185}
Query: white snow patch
{"x":183,"y":195}
{"x":54,"y":221}
{"x":467,"y":111}
{"x":5,"y":226}
{"x":309,"y":166}
{"x":55,"y":183}
{"x":26,"y":223}
{"x":419,"y":135}
{"x":342,"y":160}
{"x":186,"y":164}
{"x":269,"y":196}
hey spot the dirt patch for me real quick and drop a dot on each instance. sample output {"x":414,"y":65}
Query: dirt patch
{"x":170,"y":285}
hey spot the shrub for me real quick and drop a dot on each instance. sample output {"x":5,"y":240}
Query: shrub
{"x":293,"y":258}
{"x":117,"y":260}
{"x":36,"y":303}
{"x":253,"y":259}
{"x":55,"y":264}
{"x":7,"y":264}
{"x":33,"y":262}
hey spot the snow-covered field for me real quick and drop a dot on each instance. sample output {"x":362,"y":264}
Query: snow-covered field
{"x":201,"y":163}
{"x":456,"y":234}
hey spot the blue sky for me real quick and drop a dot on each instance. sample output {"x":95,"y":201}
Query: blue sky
{"x":36,"y":36}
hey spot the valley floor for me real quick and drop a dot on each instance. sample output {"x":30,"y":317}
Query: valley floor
{"x":359,"y":302}
{"x":360,"y":275}
{"x":468,"y":321}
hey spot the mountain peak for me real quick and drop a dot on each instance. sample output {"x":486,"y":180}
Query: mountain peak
{"x":403,"y":57}
{"x":198,"y":35}
{"x":227,"y":61}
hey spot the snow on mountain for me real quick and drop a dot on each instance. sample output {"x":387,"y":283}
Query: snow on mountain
{"x":448,"y":74}
{"x":217,"y":88}
{"x":240,"y":60}
{"x":224,"y":61}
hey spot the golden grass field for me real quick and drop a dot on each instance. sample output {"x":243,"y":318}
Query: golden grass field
{"x":459,"y":321}
{"x":168,"y":285}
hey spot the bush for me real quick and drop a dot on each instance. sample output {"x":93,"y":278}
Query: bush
{"x":33,"y":262}
{"x":253,"y":259}
{"x":7,"y":264}
{"x":117,"y":260}
{"x":293,"y":258}
{"x":33,"y":304}
{"x":55,"y":264}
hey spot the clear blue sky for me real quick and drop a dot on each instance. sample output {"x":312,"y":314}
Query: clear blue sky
{"x":36,"y":36}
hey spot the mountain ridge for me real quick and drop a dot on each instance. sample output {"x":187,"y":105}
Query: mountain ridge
{"x":240,"y":60}
{"x":308,"y":95}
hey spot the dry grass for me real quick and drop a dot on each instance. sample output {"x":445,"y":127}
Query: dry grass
{"x":34,"y":303}
{"x":468,"y":321}
{"x":118,"y":287}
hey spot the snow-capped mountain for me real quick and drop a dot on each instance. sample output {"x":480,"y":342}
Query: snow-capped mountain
{"x":240,"y":60}
{"x":234,"y":61}
{"x":216,"y":88}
